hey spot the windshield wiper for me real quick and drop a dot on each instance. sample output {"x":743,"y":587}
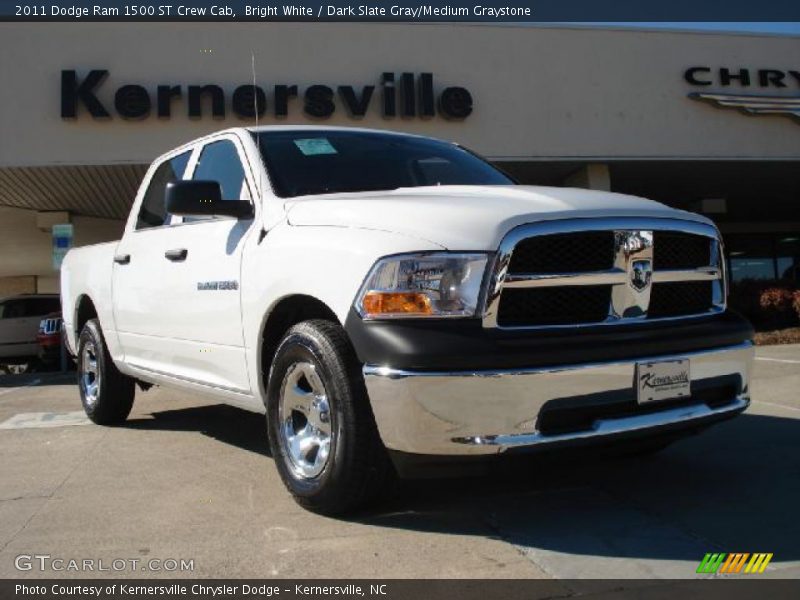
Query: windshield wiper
{"x":355,"y":190}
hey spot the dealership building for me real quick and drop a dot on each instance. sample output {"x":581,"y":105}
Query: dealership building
{"x":706,"y":122}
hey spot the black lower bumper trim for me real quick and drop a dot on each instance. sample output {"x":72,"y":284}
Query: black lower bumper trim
{"x":464,"y":344}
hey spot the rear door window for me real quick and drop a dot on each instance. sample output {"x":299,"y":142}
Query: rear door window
{"x":220,"y":162}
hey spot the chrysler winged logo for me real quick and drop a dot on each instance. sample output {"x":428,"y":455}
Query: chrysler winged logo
{"x":754,"y":105}
{"x":768,"y":80}
{"x":641,"y":274}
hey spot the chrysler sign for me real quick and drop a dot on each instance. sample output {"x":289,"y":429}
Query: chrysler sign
{"x":764,"y":81}
{"x":400,"y":94}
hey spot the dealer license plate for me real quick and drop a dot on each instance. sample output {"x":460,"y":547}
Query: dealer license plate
{"x":662,"y":380}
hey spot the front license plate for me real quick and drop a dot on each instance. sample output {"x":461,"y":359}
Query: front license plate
{"x":662,"y":380}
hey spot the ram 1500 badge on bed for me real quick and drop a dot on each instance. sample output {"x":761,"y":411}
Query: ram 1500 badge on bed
{"x":392,"y":301}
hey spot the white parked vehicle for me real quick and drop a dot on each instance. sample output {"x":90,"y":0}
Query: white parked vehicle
{"x":392,"y":301}
{"x":19,"y":325}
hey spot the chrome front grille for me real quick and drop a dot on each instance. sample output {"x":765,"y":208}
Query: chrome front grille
{"x":563,"y":253}
{"x":676,"y":250}
{"x":680,"y":298}
{"x":558,"y":305}
{"x":604,"y":271}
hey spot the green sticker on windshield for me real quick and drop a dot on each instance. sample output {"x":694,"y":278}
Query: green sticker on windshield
{"x":315,"y":146}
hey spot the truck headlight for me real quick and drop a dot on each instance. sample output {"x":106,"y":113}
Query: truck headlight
{"x":423,"y":285}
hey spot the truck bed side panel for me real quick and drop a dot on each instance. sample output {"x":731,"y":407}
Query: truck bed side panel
{"x":86,"y":272}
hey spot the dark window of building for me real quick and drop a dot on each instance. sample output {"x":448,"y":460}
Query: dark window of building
{"x":154,"y":212}
{"x":787,"y":250}
{"x":220,"y":162}
{"x":763,"y":256}
{"x":751,"y":256}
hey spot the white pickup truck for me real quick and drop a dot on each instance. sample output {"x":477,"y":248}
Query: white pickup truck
{"x":395,"y":303}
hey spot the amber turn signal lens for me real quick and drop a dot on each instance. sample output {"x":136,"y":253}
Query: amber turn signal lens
{"x":387,"y":303}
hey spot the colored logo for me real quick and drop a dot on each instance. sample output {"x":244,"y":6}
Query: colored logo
{"x":736,"y":562}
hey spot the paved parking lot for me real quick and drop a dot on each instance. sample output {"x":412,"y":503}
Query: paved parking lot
{"x":186,"y":478}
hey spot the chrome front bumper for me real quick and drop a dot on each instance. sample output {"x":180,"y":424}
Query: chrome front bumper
{"x":488,"y":412}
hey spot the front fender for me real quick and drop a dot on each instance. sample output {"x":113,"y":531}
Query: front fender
{"x":325,"y":263}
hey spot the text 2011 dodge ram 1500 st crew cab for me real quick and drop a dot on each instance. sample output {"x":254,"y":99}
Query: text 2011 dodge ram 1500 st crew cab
{"x":390,"y":299}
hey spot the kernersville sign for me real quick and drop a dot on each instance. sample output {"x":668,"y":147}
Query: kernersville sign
{"x":401,"y":95}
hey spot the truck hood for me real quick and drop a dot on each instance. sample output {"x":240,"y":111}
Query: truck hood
{"x":468,"y":217}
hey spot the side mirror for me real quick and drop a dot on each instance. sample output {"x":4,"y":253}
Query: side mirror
{"x":203,"y":198}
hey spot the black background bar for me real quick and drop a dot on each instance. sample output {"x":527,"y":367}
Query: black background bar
{"x":721,"y":588}
{"x":407,"y":11}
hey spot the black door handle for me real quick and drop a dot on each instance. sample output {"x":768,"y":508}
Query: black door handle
{"x":122,"y":259}
{"x":176,"y":255}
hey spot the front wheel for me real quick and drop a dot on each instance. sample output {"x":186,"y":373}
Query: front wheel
{"x":106,"y":394}
{"x":321,"y":429}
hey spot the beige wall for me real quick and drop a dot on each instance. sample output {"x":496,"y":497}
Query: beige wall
{"x":10,"y":286}
{"x":26,"y":251}
{"x":48,"y":285}
{"x":539,"y":92}
{"x":583,"y":95}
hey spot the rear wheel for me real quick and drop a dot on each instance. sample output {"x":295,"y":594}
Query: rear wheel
{"x":106,"y":394}
{"x":321,"y":429}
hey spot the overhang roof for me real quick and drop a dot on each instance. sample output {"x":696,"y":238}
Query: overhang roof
{"x":105,"y":191}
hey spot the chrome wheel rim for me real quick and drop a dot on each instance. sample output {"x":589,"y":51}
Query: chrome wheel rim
{"x":90,"y":375}
{"x":305,"y":420}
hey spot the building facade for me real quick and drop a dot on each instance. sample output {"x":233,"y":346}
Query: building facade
{"x":707,"y":122}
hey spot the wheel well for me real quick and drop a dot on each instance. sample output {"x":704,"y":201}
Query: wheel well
{"x":84,"y":313}
{"x":289,"y":312}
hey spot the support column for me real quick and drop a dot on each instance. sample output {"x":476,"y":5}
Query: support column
{"x":594,"y":176}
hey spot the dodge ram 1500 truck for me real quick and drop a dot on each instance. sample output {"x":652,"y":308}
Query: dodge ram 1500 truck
{"x":391,"y":301}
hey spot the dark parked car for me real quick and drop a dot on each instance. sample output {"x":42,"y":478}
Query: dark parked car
{"x":20,"y":317}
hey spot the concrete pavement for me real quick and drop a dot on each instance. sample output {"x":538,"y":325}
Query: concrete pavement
{"x":190,"y":479}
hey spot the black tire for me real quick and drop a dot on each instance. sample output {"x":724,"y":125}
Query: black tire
{"x":357,"y":470}
{"x":111,"y":401}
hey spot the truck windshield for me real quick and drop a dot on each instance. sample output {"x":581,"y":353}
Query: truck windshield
{"x":304,"y":162}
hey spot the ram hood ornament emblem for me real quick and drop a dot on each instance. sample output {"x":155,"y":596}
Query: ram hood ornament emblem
{"x":752,"y":104}
{"x":641,"y":274}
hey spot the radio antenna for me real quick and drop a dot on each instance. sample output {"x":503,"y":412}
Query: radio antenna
{"x":258,"y":143}
{"x":255,"y":93}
